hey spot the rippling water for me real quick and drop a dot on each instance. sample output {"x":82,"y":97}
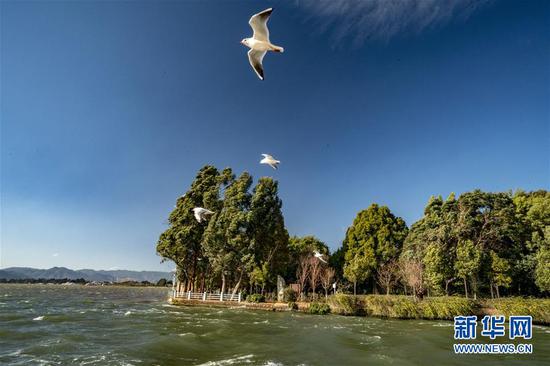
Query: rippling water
{"x":77,"y":325}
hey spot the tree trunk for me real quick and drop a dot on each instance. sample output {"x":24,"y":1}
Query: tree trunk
{"x":354,"y":288}
{"x":194,"y":273}
{"x":326,"y":293}
{"x":374,"y":289}
{"x":498,"y":294}
{"x":236,"y":288}
{"x":491,"y":287}
{"x":387,"y":290}
{"x":465,"y":288}
{"x":223,"y":283}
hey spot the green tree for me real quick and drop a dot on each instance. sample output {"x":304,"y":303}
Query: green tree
{"x":375,"y":237}
{"x":434,"y":267}
{"x":269,"y":237}
{"x":227,"y":238}
{"x":542,"y":266}
{"x":359,"y":266}
{"x":433,"y":241}
{"x":489,"y":221}
{"x":500,"y":277}
{"x":468,"y":263}
{"x":181,"y":242}
{"x":533,"y":216}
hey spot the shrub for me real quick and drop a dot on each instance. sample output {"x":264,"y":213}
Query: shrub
{"x":319,"y":308}
{"x":255,"y":298}
{"x":289,"y":295}
{"x":345,"y":304}
{"x":292,"y":305}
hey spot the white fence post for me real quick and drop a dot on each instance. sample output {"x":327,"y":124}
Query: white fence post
{"x":221,"y":296}
{"x":239,"y":297}
{"x":189,"y":295}
{"x":204,"y":296}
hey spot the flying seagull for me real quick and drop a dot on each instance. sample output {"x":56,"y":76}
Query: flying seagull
{"x":319,"y":256}
{"x":259,"y":43}
{"x":270,"y":160}
{"x":201,"y":213}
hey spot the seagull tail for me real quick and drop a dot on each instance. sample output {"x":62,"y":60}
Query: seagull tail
{"x":278,"y":49}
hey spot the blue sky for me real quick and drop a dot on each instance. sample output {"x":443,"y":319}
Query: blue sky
{"x":108,"y":109}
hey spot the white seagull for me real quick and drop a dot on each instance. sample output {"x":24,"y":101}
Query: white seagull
{"x":201,"y":213}
{"x":259,"y":43}
{"x":319,"y":256}
{"x":270,"y":160}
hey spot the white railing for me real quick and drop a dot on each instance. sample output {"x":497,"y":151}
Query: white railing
{"x":205,"y":296}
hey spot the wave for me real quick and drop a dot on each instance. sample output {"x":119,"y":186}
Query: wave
{"x":41,"y":317}
{"x":229,"y":361}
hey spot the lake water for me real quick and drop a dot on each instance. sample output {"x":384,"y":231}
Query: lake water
{"x":77,"y":325}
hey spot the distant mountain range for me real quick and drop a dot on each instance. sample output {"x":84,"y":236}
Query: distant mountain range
{"x":23,"y":273}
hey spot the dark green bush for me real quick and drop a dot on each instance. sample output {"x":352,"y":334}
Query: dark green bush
{"x":255,"y":298}
{"x":289,"y":294}
{"x":318,"y":308}
{"x":292,"y":305}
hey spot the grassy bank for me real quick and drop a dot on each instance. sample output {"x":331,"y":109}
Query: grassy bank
{"x":444,"y":307}
{"x":400,"y":307}
{"x":539,"y":309}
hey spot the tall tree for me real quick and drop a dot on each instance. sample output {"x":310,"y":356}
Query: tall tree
{"x":269,"y":237}
{"x":227,"y":238}
{"x":433,"y":240}
{"x":181,"y":242}
{"x":375,"y":237}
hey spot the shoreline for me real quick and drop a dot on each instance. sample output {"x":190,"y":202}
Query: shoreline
{"x":381,"y":306}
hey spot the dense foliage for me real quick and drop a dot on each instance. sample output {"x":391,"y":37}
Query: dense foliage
{"x":481,"y":243}
{"x":243,"y":242}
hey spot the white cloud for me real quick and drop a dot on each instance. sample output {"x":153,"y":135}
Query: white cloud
{"x":55,"y":255}
{"x":384,"y":19}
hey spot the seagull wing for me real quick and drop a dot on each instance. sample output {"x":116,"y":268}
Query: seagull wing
{"x":273,"y":165}
{"x":267,"y":156}
{"x":255,"y":58}
{"x":198,"y":216}
{"x":258,"y":22}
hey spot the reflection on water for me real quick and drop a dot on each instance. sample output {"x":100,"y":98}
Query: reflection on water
{"x":54,"y":325}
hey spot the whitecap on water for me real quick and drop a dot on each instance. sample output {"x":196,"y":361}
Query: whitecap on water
{"x":229,"y":361}
{"x":371,"y":339}
{"x":127,"y":313}
{"x":185,"y":334}
{"x":442,"y":325}
{"x":262,"y":322}
{"x":15,"y":353}
{"x":39,"y":317}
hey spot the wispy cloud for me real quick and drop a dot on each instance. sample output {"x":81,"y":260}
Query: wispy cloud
{"x":361,"y":20}
{"x":55,"y":255}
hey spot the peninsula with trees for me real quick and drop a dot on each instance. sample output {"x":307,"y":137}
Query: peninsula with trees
{"x":476,"y":253}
